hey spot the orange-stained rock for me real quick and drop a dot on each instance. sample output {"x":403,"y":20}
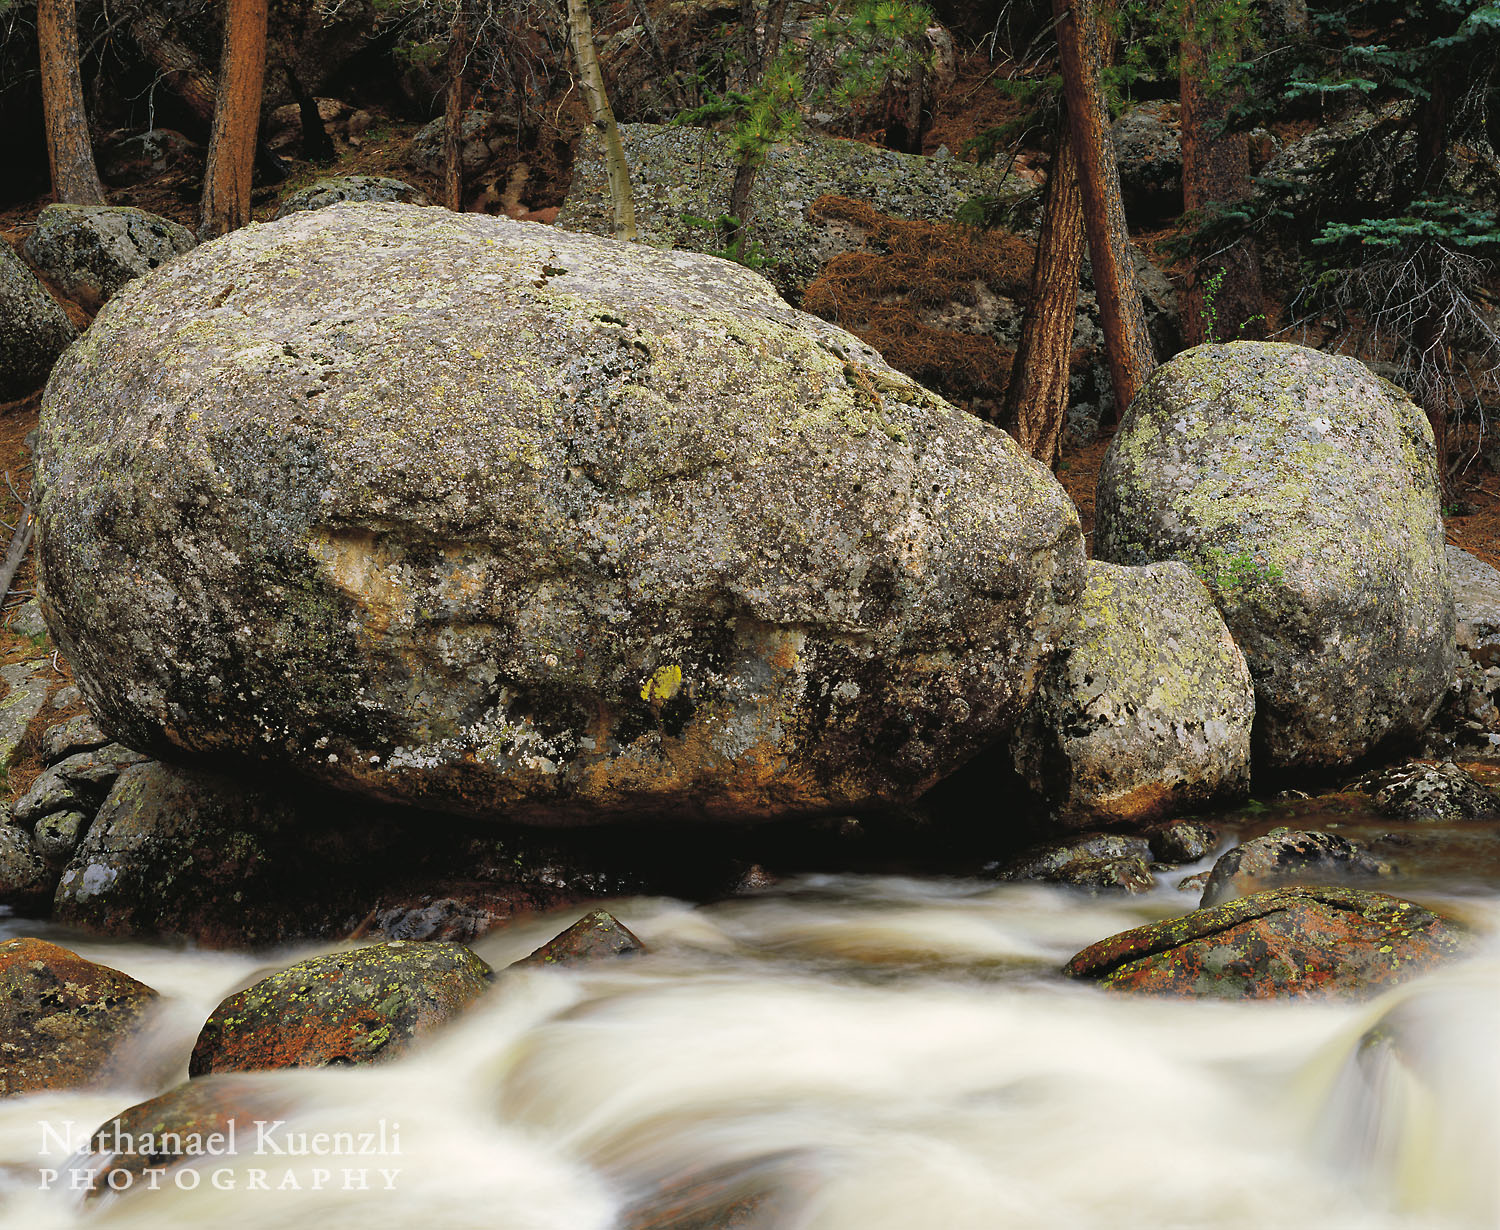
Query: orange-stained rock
{"x":365,"y":1006}
{"x":62,"y":1018}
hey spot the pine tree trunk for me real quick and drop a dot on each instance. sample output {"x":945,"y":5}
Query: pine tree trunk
{"x":75,"y":181}
{"x":231,"y":146}
{"x":1223,"y":302}
{"x":1081,"y":48}
{"x":591,"y":78}
{"x":1036,"y":399}
{"x":453,"y":112}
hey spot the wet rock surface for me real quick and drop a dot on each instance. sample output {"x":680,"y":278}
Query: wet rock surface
{"x":591,"y":938}
{"x":1421,"y":791}
{"x":1185,"y":841}
{"x":365,"y":1006}
{"x":1280,"y":943}
{"x":90,"y":251}
{"x":1147,"y":708}
{"x":479,"y":516}
{"x":1252,"y":463}
{"x":63,"y":1019}
{"x":1104,"y":862}
{"x":1287,"y":856}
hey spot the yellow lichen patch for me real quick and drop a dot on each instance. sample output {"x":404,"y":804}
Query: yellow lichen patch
{"x":664,"y":684}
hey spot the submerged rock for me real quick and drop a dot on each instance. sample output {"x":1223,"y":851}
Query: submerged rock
{"x":1285,"y":856}
{"x":63,"y":1019}
{"x":483,"y":517}
{"x":1147,"y":708}
{"x":593,"y":936}
{"x":34,"y":329}
{"x":1253,"y":462}
{"x":89,"y":251}
{"x":365,"y":1006}
{"x":1283,"y":942}
{"x":1419,"y":791}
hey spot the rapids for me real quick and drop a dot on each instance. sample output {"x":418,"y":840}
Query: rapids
{"x":839,"y":1053}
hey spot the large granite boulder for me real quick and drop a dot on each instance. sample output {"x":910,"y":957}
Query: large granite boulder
{"x":1146,"y":711}
{"x":89,"y":251}
{"x":471,"y":513}
{"x":34,"y":329}
{"x":1303,"y":490}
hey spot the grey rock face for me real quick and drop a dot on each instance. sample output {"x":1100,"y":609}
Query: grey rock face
{"x":337,"y":188}
{"x":57,"y":836}
{"x":1476,"y":603}
{"x":77,"y":734}
{"x":1418,"y":791}
{"x":34,"y":329}
{"x":682,"y":174}
{"x":89,"y":251}
{"x":80,"y":780}
{"x":26,"y":686}
{"x":1100,"y":862}
{"x":26,"y":882}
{"x":1148,"y":145}
{"x":480,"y":515}
{"x":1284,"y":856}
{"x":1303,"y":490}
{"x":1147,"y":709}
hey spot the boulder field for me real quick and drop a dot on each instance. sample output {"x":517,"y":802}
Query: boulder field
{"x":485,"y":517}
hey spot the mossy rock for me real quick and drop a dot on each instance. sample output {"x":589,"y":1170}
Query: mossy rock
{"x":1278,"y":943}
{"x":1303,"y":490}
{"x":484,"y":517}
{"x":370,"y":1005}
{"x":63,"y":1019}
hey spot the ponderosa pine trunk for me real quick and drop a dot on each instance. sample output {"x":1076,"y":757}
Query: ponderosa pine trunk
{"x":1036,"y":399}
{"x":231,"y":145}
{"x":1083,"y":52}
{"x":591,"y":79}
{"x":453,"y":111}
{"x":70,"y":151}
{"x":1223,"y":302}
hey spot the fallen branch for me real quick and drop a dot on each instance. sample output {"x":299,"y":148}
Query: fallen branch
{"x":17,"y":552}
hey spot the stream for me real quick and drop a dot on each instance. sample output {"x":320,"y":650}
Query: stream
{"x":836,"y":1053}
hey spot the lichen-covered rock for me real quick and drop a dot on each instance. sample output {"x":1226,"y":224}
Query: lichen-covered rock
{"x":1146,"y":710}
{"x":80,"y":780}
{"x":485,"y":135}
{"x":591,"y":938}
{"x":1183,"y":841}
{"x":89,"y":251}
{"x":1288,"y":856}
{"x":26,"y":881}
{"x":62,"y":1019}
{"x":682,"y":177}
{"x":365,"y":1006}
{"x":79,"y":733}
{"x":481,"y":516}
{"x":1420,"y":791}
{"x":1283,"y":942}
{"x":1108,"y":862}
{"x":1147,"y":141}
{"x":34,"y":329}
{"x":338,"y":188}
{"x":56,"y":837}
{"x":26,"y":685}
{"x":1476,"y":604}
{"x":1303,"y":490}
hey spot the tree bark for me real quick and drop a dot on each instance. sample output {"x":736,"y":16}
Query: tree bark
{"x":75,"y":180}
{"x":453,"y":111}
{"x":1223,"y":302}
{"x":231,"y":146}
{"x":317,"y":145}
{"x":1036,"y":399}
{"x":1081,"y":48}
{"x":591,"y":78}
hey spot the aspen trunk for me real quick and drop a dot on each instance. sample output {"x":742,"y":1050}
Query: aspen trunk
{"x":591,"y":79}
{"x":1223,"y":302}
{"x":1036,"y":399}
{"x":453,"y":112}
{"x":75,"y":180}
{"x":231,"y":146}
{"x":1081,"y":48}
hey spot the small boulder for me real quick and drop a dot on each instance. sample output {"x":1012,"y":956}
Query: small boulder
{"x":1146,"y":709}
{"x":27,"y":620}
{"x":79,"y":733}
{"x":1148,"y":145}
{"x":485,"y":136}
{"x":62,"y":1019}
{"x":1286,"y":856}
{"x":591,"y":938}
{"x":1420,"y":791}
{"x":1280,"y":943}
{"x":81,"y":780}
{"x":337,"y":188}
{"x":1252,"y":462}
{"x":26,"y":881}
{"x":1476,"y":604}
{"x":89,"y":251}
{"x":1102,"y":862}
{"x":127,"y":158}
{"x":1185,"y":841}
{"x":365,"y":1006}
{"x":56,"y":836}
{"x":34,"y":329}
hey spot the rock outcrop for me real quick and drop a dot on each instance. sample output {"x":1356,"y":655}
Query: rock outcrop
{"x":1147,"y":709}
{"x":1303,"y":490}
{"x":489,"y":518}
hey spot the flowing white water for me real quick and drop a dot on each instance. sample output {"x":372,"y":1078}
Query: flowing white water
{"x":873,"y":1052}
